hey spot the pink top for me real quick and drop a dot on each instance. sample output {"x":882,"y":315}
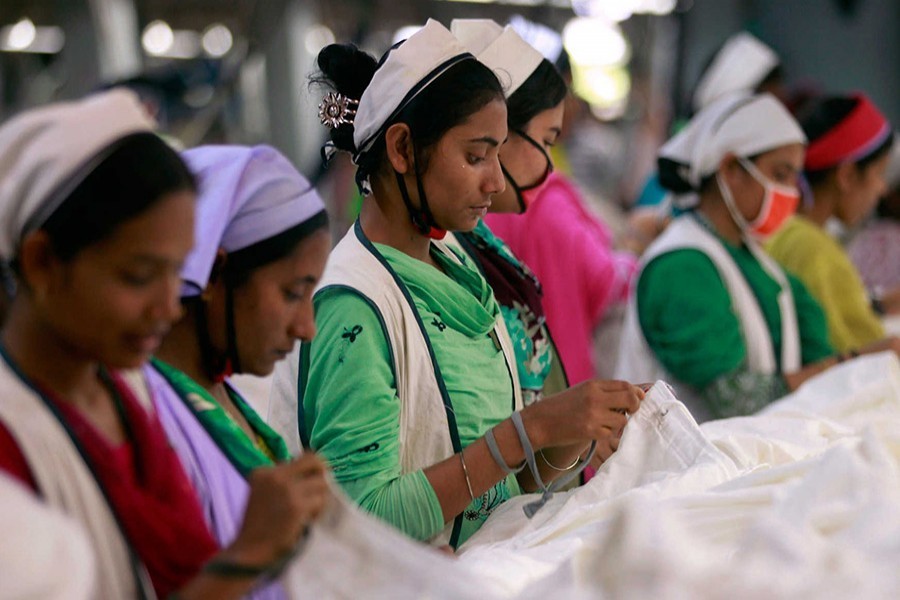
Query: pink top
{"x":570,"y":251}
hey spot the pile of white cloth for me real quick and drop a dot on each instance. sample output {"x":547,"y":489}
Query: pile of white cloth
{"x":800,"y":501}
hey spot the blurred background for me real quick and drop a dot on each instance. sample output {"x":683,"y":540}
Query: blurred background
{"x":236,"y":70}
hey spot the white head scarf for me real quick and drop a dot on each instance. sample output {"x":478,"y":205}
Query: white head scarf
{"x":510,"y":57}
{"x":46,"y":152}
{"x":740,"y":66}
{"x":740,"y":124}
{"x":246,"y":195}
{"x":407,"y":70}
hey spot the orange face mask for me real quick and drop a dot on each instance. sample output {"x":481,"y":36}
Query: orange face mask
{"x":779,"y":204}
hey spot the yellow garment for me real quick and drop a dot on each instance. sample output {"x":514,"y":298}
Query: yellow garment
{"x":806,"y":250}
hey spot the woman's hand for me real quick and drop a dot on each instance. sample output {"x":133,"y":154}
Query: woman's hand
{"x":284,"y":499}
{"x":593,"y":410}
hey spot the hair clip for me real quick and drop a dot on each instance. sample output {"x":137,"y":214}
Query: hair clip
{"x":336,"y":110}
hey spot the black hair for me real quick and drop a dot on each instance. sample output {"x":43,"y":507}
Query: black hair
{"x":240,"y":264}
{"x":138,"y":171}
{"x":544,"y":89}
{"x":820,"y":116}
{"x":459,"y":92}
{"x":563,"y":64}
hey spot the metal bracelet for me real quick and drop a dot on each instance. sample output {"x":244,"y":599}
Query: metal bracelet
{"x":554,"y":467}
{"x":462,"y":460}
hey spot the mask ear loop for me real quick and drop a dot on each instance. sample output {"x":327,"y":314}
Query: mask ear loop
{"x":540,"y":148}
{"x":520,"y":198}
{"x":421,"y":218}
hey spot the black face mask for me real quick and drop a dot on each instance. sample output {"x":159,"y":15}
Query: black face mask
{"x":526,"y":195}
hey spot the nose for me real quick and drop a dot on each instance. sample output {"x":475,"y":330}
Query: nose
{"x":167,"y":306}
{"x":495,"y":182}
{"x":303,"y":325}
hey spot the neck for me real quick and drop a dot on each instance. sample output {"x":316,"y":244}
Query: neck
{"x":385,"y":220}
{"x":45,"y":357}
{"x":181,"y":349}
{"x":823,"y":206}
{"x":712,"y":205}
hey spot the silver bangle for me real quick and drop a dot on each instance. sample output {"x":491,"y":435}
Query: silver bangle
{"x":466,"y":473}
{"x":555,"y":468}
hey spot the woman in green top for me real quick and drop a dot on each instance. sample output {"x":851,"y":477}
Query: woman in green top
{"x":534,"y":104}
{"x":409,"y":390}
{"x":712,"y":312}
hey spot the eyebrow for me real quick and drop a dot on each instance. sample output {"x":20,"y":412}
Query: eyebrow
{"x":306,"y":279}
{"x":485,"y":140}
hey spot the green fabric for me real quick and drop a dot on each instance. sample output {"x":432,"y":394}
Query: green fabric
{"x":686,"y":314}
{"x":241,"y":451}
{"x":350,"y":403}
{"x":805,"y":249}
{"x":742,"y":392}
{"x":533,"y":360}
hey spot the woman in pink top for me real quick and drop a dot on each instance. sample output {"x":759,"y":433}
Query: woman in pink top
{"x":570,"y":251}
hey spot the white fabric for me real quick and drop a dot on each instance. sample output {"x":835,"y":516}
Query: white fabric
{"x":408,"y":66}
{"x":246,"y":195}
{"x":802,"y":501}
{"x":638,"y":363}
{"x":424,"y":432}
{"x":46,"y":152}
{"x":738,"y":124}
{"x":65,"y":482}
{"x":43,"y":554}
{"x":503,"y":50}
{"x":740,"y":66}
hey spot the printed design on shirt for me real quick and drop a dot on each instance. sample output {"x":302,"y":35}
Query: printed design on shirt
{"x":438,"y":323}
{"x":348,"y":337}
{"x":485,"y":504}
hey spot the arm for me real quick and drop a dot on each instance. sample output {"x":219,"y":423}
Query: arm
{"x":352,"y":414}
{"x":283,"y":501}
{"x":686,"y":315}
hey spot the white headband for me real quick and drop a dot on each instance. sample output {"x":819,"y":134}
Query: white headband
{"x":740,"y":124}
{"x":503,"y":50}
{"x":740,"y":66}
{"x":46,"y":152}
{"x":407,"y":70}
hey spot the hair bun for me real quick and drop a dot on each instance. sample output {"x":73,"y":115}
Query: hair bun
{"x":347,"y":68}
{"x":672,"y":176}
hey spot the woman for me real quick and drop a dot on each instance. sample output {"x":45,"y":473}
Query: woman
{"x":712,"y":313}
{"x":259,"y":250}
{"x":578,"y":291}
{"x":535,"y":94}
{"x":409,"y":387}
{"x":849,"y":148}
{"x":96,"y":217}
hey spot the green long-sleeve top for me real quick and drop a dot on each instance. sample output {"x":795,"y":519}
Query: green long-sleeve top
{"x":350,"y":404}
{"x":688,"y":319}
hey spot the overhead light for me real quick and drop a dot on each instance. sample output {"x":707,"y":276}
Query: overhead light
{"x":592,"y":41}
{"x":658,"y":7}
{"x":24,"y":36}
{"x":317,"y":37}
{"x":217,"y":40}
{"x":161,"y":40}
{"x":158,"y":38}
{"x":21,"y":35}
